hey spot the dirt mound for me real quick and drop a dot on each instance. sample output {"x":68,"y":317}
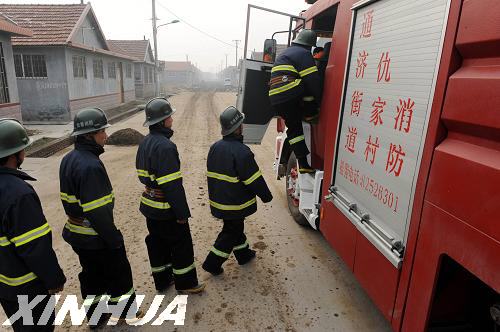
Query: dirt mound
{"x":125,"y":137}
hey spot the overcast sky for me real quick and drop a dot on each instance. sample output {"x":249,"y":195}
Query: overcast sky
{"x":223,"y":19}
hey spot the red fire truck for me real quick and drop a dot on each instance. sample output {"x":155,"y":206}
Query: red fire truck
{"x":407,"y":149}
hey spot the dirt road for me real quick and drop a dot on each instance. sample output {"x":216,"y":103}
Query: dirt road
{"x":297,"y":283}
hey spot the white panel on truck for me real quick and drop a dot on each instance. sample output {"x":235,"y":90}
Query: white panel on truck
{"x":388,"y":91}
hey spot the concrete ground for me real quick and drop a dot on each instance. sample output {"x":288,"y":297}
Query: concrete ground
{"x":297,"y":283}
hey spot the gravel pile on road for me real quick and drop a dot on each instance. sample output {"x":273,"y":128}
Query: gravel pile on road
{"x":125,"y":137}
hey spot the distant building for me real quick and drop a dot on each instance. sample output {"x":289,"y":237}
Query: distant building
{"x":67,"y":64}
{"x":178,"y":74}
{"x":144,"y":64}
{"x":230,"y":76}
{"x":9,"y":97}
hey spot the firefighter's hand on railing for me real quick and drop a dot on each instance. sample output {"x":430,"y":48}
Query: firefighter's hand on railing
{"x":313,"y":119}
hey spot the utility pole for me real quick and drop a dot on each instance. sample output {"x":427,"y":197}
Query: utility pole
{"x":226,"y":61}
{"x":236,"y":42}
{"x":157,"y":83}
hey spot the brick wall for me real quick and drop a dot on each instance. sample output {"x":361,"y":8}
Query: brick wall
{"x":12,"y":111}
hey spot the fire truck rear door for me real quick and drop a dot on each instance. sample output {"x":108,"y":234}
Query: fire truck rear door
{"x":253,"y":89}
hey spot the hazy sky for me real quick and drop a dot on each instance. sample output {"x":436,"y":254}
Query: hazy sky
{"x":224,"y":19}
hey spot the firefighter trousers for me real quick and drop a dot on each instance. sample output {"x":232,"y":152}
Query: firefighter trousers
{"x":232,"y":238}
{"x":292,"y":112}
{"x":11,"y":307}
{"x":106,"y":272}
{"x":171,"y":255}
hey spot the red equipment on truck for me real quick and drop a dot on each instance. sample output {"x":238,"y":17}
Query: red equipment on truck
{"x":407,"y":150}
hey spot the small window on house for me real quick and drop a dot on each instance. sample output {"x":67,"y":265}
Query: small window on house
{"x":79,"y":66}
{"x":128,"y":70}
{"x":18,"y":65}
{"x":4,"y":87}
{"x":30,"y":66}
{"x":111,"y":70}
{"x":98,"y":69}
{"x":138,"y":73}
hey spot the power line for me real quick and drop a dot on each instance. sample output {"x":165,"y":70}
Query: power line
{"x":192,"y":26}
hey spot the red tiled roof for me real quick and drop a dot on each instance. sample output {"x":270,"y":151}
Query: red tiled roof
{"x":51,"y":24}
{"x":135,"y":48}
{"x":11,"y":27}
{"x":176,"y":65}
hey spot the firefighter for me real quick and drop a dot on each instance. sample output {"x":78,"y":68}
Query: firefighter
{"x":164,"y":204}
{"x":295,"y":92}
{"x":28,"y":263}
{"x":88,"y":200}
{"x":234,"y":179}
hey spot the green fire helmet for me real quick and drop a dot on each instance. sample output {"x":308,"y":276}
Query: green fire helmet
{"x":230,"y":120}
{"x":13,"y":137}
{"x":157,"y":109}
{"x":306,"y":37}
{"x":88,"y":121}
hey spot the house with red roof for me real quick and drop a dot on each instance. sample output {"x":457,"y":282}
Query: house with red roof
{"x":144,"y":64}
{"x":178,"y":74}
{"x":66,"y":64}
{"x":9,"y":98}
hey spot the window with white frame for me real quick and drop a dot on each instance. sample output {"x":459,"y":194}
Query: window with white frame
{"x":98,"y":69}
{"x":128,"y":70}
{"x":30,"y":66}
{"x":138,"y":73}
{"x":111,"y":70}
{"x":79,"y":66}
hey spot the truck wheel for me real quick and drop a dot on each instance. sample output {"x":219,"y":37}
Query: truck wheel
{"x":292,"y":197}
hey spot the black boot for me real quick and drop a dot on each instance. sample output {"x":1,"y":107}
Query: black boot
{"x":247,"y":257}
{"x":304,"y":167}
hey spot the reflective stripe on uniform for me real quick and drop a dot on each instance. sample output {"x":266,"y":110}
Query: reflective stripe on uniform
{"x":4,"y":242}
{"x":297,"y":139}
{"x":92,"y":300}
{"x":160,"y":268}
{"x":98,"y":203}
{"x":285,"y":87}
{"x":123,"y":297}
{"x":233,"y":207}
{"x":145,"y":174}
{"x":241,"y":246}
{"x":253,"y":177}
{"x":155,"y":204}
{"x":69,"y":198}
{"x":223,"y":177}
{"x":17,"y":281}
{"x":284,"y":68}
{"x":31,"y":235}
{"x":80,"y":230}
{"x":220,"y":253}
{"x":184,"y":270}
{"x":169,"y":177}
{"x":308,"y":98}
{"x":308,"y":71}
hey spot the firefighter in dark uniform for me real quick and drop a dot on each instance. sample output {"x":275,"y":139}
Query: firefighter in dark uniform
{"x":234,"y":179}
{"x":295,"y":92}
{"x":28,"y":263}
{"x":88,"y":200}
{"x":164,"y":204}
